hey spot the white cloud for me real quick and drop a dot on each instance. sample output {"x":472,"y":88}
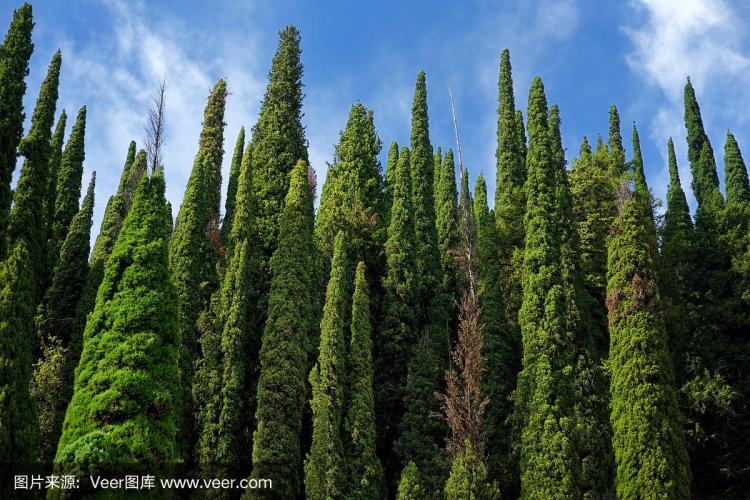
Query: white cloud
{"x":702,"y":39}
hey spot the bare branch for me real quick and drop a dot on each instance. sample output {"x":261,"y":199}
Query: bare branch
{"x":154,"y":128}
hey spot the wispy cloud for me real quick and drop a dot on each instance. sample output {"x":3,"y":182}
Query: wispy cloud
{"x":703,"y":39}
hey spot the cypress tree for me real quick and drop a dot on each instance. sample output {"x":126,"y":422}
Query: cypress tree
{"x":399,"y":330}
{"x":501,"y":347}
{"x":15,"y":53}
{"x":234,"y":175}
{"x":365,"y":469}
{"x":193,"y":251}
{"x":468,"y":478}
{"x":705,"y":179}
{"x":735,"y":172}
{"x":617,"y":167}
{"x":68,"y":185}
{"x":281,"y":385}
{"x":28,"y":216}
{"x":278,"y":138}
{"x":641,"y":190}
{"x":123,"y":412}
{"x":446,"y":199}
{"x":55,"y":158}
{"x":544,"y":396}
{"x":52,"y":382}
{"x":225,"y":372}
{"x":325,"y":469}
{"x":648,"y":439}
{"x":437,"y":176}
{"x":390,"y":174}
{"x":521,"y":138}
{"x":18,"y":428}
{"x":410,"y":485}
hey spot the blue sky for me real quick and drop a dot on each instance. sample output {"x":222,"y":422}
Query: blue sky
{"x":590,"y":54}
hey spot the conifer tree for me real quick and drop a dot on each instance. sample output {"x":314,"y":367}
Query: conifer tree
{"x":28,"y":216}
{"x":15,"y":53}
{"x":648,"y":439}
{"x":705,"y":179}
{"x":736,"y":182}
{"x":410,"y":485}
{"x":641,"y":190}
{"x":68,"y":185}
{"x":446,"y":199}
{"x":437,"y":176}
{"x":225,"y":372}
{"x":500,"y":347}
{"x":399,"y":332}
{"x":193,"y":251}
{"x":52,"y":382}
{"x":278,"y":138}
{"x":281,"y":386}
{"x":325,"y":469}
{"x":56,"y":146}
{"x":114,"y":215}
{"x":123,"y":412}
{"x":365,"y":469}
{"x":521,"y":138}
{"x":544,"y":396}
{"x":468,"y":478}
{"x":390,"y":174}
{"x":234,"y":175}
{"x":617,"y":167}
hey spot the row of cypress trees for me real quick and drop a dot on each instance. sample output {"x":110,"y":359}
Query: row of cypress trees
{"x":309,"y":347}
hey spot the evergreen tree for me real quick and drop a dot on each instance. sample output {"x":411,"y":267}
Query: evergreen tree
{"x":28,"y":216}
{"x":705,"y":179}
{"x":521,"y":138}
{"x":52,"y":382}
{"x":225,"y":373}
{"x":390,"y":174}
{"x":437,"y":176}
{"x":399,"y":331}
{"x":234,"y":175}
{"x":193,"y":251}
{"x":281,"y":386}
{"x":365,"y":469}
{"x":500,"y":347}
{"x":617,"y":167}
{"x":68,"y":185}
{"x":641,"y":190}
{"x":468,"y":478}
{"x":446,"y":199}
{"x":648,"y":439}
{"x":55,"y":158}
{"x":410,"y":485}
{"x":544,"y":396}
{"x":325,"y":469}
{"x":736,"y":182}
{"x":15,"y":53}
{"x":122,"y":415}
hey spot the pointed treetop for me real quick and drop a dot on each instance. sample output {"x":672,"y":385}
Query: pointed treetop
{"x":44,"y":113}
{"x":676,"y":200}
{"x":735,"y":172}
{"x":639,"y":175}
{"x":537,"y":113}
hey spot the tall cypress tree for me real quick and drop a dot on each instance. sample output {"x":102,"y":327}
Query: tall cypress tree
{"x":641,"y":190}
{"x":234,"y":176}
{"x":68,"y":185}
{"x":544,"y":396}
{"x":193,"y":251}
{"x":705,"y":179}
{"x":648,"y":439}
{"x":521,"y":138}
{"x":277,"y":451}
{"x":28,"y":216}
{"x":325,"y":469}
{"x":364,"y":467}
{"x":501,"y":347}
{"x":225,"y":372}
{"x":410,"y":484}
{"x":399,"y":332}
{"x":735,"y":172}
{"x":617,"y":167}
{"x":52,"y":382}
{"x":468,"y":478}
{"x":446,"y":199}
{"x":437,"y":176}
{"x":55,"y":158}
{"x":123,"y":412}
{"x":390,"y":174}
{"x":15,"y":53}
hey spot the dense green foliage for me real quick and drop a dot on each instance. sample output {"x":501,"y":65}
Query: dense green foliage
{"x":410,"y":485}
{"x":123,"y":413}
{"x":468,"y":479}
{"x":61,"y":341}
{"x":277,"y":453}
{"x":15,"y":53}
{"x":56,"y":145}
{"x":230,"y":204}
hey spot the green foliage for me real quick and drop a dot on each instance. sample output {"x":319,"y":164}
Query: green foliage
{"x":325,"y":469}
{"x":390,"y":174}
{"x":281,"y":386}
{"x":468,"y":478}
{"x":648,"y":439}
{"x":52,"y":382}
{"x":617,"y":166}
{"x":211,"y":145}
{"x":501,"y":347}
{"x":122,"y":415}
{"x":437,"y":176}
{"x":15,"y":53}
{"x":365,"y":469}
{"x":410,"y":485}
{"x":705,"y":179}
{"x":736,"y":183}
{"x":234,"y":175}
{"x":56,"y":146}
{"x":544,"y":396}
{"x":68,"y":186}
{"x":641,"y":191}
{"x":28,"y":216}
{"x":18,"y":427}
{"x":449,"y":238}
